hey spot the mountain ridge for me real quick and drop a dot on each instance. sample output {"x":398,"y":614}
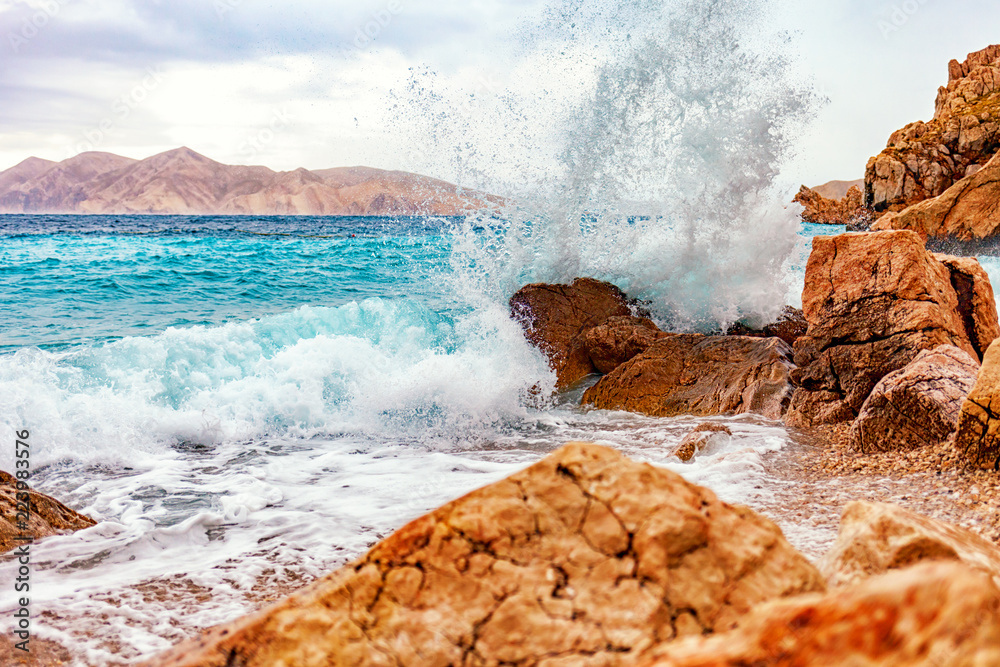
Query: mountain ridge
{"x":183,"y":181}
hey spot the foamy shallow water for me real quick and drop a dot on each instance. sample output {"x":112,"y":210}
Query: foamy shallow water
{"x":189,"y":539}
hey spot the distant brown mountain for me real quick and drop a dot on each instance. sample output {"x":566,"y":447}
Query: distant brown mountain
{"x":182,"y":181}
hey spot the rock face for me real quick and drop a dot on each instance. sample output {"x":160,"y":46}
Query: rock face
{"x":702,"y":438}
{"x":789,"y":327}
{"x":620,"y":339}
{"x":700,"y":375}
{"x":978,"y":434}
{"x":923,"y":160}
{"x":847,"y":210}
{"x":584,"y":559}
{"x":873,"y":302}
{"x":182,"y":181}
{"x":48,"y":516}
{"x":917,"y":405}
{"x":875,"y":538}
{"x":557,"y":318}
{"x":934,"y":614}
{"x":966,"y":211}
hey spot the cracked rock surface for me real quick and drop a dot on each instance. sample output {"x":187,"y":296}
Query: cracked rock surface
{"x":931,"y":614}
{"x":873,"y":302}
{"x":875,"y":538}
{"x":918,"y":405}
{"x":586,"y":558}
{"x":691,"y":374}
{"x":978,"y":434}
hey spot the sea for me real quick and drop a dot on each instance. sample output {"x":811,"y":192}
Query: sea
{"x":244,"y":404}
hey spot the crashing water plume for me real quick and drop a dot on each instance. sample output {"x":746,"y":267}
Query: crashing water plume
{"x":652,"y":162}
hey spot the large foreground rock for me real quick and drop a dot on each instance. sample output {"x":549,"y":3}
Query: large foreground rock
{"x":923,"y":160}
{"x":48,"y":516}
{"x":556,"y":319}
{"x":875,"y":538}
{"x":873,"y":302}
{"x":918,"y":405}
{"x":700,"y":375}
{"x":935,"y":614}
{"x":583,"y":559}
{"x":978,"y":434}
{"x":967,"y":211}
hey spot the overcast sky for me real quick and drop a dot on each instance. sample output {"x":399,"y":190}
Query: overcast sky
{"x":298,"y":83}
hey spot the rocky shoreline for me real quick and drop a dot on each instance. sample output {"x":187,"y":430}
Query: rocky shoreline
{"x":888,"y":382}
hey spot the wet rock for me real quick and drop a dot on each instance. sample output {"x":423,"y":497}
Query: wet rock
{"x":789,"y":327}
{"x":700,"y":375}
{"x":874,"y":301}
{"x":918,"y":405}
{"x":966,"y":211}
{"x":556,"y":319}
{"x":702,"y":438}
{"x":978,"y":434}
{"x":48,"y":516}
{"x":923,"y":160}
{"x":849,"y":210}
{"x":586,"y":558}
{"x":620,"y":339}
{"x":875,"y":538}
{"x":933,"y":614}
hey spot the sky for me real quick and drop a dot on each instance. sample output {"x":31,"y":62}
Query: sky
{"x":325,"y":83}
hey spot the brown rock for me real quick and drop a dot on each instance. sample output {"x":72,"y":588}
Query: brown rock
{"x":789,"y":327}
{"x":966,"y":211}
{"x":923,"y":160}
{"x":620,"y":339}
{"x":917,"y":405}
{"x":874,"y":302}
{"x":700,"y":439}
{"x":875,"y":538}
{"x":586,"y":558}
{"x":48,"y":516}
{"x":556,"y":319}
{"x":848,"y":210}
{"x":933,"y":614}
{"x":700,"y":375}
{"x":978,"y":434}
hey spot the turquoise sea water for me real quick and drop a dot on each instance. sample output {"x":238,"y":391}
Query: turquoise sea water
{"x":245,"y":403}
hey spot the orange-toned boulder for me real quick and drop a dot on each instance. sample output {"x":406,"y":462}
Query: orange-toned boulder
{"x":849,"y":210}
{"x":978,"y":433}
{"x":701,"y":438}
{"x":875,"y":538}
{"x":932,"y":614}
{"x":556,"y":319}
{"x":586,"y":558}
{"x":48,"y":516}
{"x":917,"y":405}
{"x":619,"y":340}
{"x":966,"y":211}
{"x":874,"y":301}
{"x":700,"y":375}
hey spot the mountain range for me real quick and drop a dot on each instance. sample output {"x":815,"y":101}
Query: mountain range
{"x":184,"y":182}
